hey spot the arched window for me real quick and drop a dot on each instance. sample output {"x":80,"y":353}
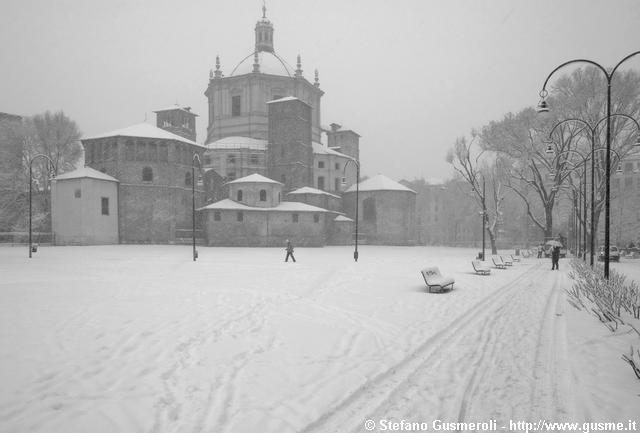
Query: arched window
{"x":187,"y":178}
{"x":147,"y":174}
{"x":239,"y":195}
{"x":263,"y":195}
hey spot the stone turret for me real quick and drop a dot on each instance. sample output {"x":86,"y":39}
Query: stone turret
{"x":264,"y":33}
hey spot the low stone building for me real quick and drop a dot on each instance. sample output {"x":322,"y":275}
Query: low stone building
{"x":255,"y":215}
{"x":154,"y":169}
{"x":316,"y":197}
{"x":341,"y":231}
{"x":84,"y":208}
{"x":386,"y":211}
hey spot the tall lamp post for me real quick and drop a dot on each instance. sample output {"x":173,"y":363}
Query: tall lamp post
{"x":196,"y":158}
{"x":344,"y":181}
{"x":55,"y":171}
{"x":584,"y":163}
{"x":544,"y":107}
{"x":483,"y":213}
{"x":583,"y":181}
{"x":592,"y":136}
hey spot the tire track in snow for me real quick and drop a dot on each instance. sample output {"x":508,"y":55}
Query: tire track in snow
{"x":349,"y":414}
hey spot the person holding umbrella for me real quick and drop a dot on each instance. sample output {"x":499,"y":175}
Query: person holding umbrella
{"x":555,"y":254}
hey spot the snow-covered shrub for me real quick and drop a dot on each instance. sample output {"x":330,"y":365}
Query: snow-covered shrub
{"x":615,"y":302}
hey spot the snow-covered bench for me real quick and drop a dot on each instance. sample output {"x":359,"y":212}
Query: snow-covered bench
{"x":480,"y":267}
{"x":433,"y":278}
{"x":498,"y":263}
{"x":514,"y":258}
{"x":506,"y":260}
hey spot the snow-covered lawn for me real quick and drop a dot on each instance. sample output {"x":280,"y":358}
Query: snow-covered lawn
{"x":142,"y":339}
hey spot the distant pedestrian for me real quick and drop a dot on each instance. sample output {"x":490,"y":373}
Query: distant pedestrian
{"x":540,"y":251}
{"x":289,"y":250}
{"x":555,"y":257}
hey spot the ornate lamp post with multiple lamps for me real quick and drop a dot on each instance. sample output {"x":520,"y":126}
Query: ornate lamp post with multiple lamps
{"x":544,"y":107}
{"x":585,"y":158}
{"x":344,"y":181}
{"x":592,"y":136}
{"x":55,"y":171}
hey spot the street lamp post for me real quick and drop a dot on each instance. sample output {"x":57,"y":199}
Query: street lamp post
{"x":344,"y":181}
{"x":484,"y":216}
{"x":543,"y":107}
{"x":592,"y":136}
{"x":583,"y":181}
{"x":195,"y":158}
{"x":55,"y":170}
{"x":483,"y":213}
{"x":584,"y":164}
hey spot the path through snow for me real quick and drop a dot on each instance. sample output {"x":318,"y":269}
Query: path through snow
{"x":141,"y":339}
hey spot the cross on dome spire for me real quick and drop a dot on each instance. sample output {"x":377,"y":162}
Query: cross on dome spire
{"x":264,"y":10}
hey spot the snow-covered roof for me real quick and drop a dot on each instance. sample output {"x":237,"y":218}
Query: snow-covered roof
{"x":379,"y":182}
{"x":286,"y":98}
{"x":254,"y":178}
{"x":86,"y":172}
{"x":320,"y":149}
{"x":309,"y":190}
{"x":176,"y":107}
{"x":342,"y":218}
{"x":238,"y":142}
{"x":270,"y":63}
{"x":143,"y":130}
{"x":284,"y":206}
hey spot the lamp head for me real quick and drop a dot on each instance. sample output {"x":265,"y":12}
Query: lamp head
{"x":549,"y":149}
{"x":542,"y":107}
{"x":619,"y":169}
{"x":344,"y":181}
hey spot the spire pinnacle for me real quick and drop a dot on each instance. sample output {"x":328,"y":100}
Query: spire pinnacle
{"x":218,"y":73}
{"x":299,"y":67}
{"x":316,"y":81}
{"x":256,"y":62}
{"x":264,"y":10}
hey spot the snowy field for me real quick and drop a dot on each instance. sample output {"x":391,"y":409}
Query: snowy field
{"x":142,"y":339}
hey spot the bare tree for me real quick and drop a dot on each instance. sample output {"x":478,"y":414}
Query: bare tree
{"x":524,"y":138}
{"x":476,"y":170}
{"x":52,"y":134}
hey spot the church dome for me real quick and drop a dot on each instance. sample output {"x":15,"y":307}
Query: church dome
{"x":269,"y":63}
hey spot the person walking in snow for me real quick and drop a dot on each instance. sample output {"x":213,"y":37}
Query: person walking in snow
{"x":555,"y":257}
{"x":289,"y":251}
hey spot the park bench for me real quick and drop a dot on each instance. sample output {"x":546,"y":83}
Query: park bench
{"x":498,"y":263}
{"x":514,"y":258}
{"x":433,"y":278}
{"x":480,"y":267}
{"x":506,"y":260}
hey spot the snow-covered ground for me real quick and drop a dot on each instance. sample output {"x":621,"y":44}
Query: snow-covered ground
{"x":142,"y":339}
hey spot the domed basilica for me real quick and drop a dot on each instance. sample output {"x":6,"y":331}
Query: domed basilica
{"x":267,"y":174}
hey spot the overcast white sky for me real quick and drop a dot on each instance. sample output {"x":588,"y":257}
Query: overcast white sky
{"x":408,"y":75}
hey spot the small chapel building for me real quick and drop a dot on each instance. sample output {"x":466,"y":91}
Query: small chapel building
{"x":255,"y":215}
